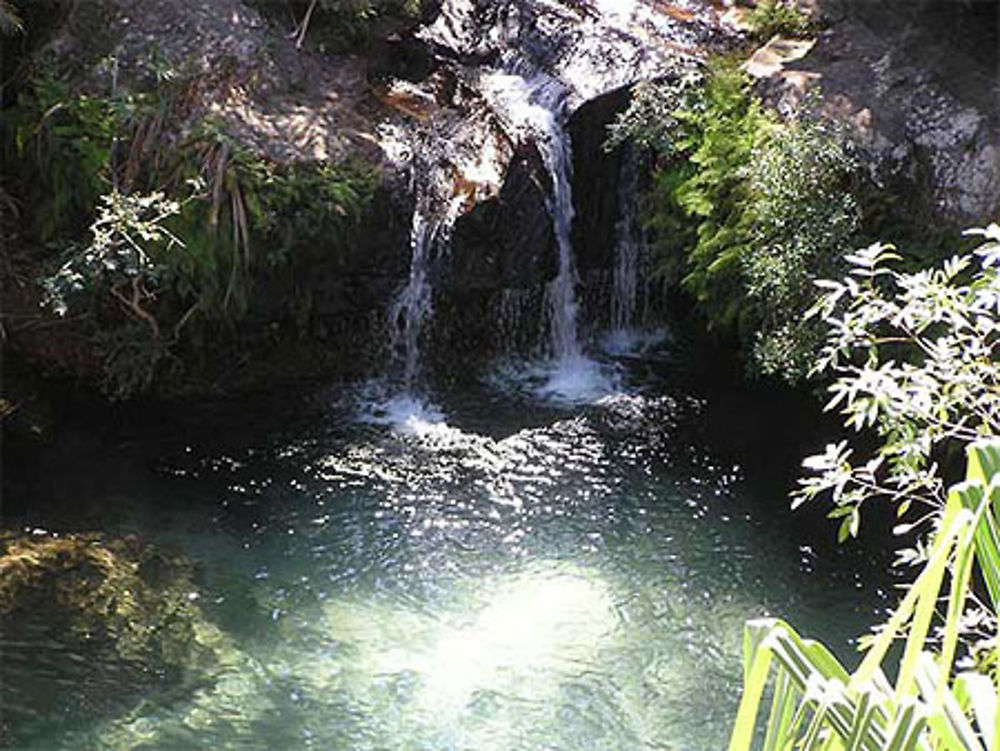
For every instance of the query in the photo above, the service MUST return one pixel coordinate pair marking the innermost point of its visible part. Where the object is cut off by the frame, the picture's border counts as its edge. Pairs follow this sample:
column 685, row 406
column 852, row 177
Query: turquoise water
column 489, row 572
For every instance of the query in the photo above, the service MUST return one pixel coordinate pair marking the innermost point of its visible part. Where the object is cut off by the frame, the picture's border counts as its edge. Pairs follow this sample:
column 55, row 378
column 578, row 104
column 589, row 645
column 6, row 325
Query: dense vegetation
column 913, row 357
column 158, row 237
column 770, row 17
column 748, row 209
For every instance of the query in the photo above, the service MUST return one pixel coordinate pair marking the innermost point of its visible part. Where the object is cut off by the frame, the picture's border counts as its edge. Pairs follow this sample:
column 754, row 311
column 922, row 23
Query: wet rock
column 109, row 620
column 584, row 57
column 135, row 597
column 414, row 108
column 505, row 241
column 596, row 175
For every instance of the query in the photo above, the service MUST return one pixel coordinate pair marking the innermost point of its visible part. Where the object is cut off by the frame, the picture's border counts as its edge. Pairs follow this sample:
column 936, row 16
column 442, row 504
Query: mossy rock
column 121, row 590
column 92, row 625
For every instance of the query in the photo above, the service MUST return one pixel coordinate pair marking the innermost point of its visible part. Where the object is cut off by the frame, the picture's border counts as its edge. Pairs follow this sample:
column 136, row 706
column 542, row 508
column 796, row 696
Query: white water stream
column 630, row 333
column 413, row 305
column 625, row 297
column 533, row 108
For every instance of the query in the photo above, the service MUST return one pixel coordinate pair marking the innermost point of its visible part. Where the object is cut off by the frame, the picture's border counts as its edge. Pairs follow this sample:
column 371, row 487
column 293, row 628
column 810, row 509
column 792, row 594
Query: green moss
column 781, row 17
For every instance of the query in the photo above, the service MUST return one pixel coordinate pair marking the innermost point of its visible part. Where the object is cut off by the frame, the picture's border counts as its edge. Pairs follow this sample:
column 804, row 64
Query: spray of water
column 533, row 109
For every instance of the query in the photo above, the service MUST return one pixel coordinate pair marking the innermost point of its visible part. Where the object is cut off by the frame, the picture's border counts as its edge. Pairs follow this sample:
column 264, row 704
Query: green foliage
column 126, row 259
column 914, row 356
column 914, row 359
column 781, row 17
column 59, row 154
column 255, row 217
column 817, row 704
column 160, row 258
column 129, row 241
column 720, row 127
column 303, row 207
column 650, row 120
column 746, row 210
column 804, row 216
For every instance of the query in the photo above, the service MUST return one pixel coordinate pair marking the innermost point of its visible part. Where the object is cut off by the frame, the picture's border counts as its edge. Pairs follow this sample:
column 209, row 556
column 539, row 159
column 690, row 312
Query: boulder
column 917, row 84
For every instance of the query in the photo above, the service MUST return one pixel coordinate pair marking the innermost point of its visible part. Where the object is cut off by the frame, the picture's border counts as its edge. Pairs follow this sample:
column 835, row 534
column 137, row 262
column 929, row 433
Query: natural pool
column 515, row 576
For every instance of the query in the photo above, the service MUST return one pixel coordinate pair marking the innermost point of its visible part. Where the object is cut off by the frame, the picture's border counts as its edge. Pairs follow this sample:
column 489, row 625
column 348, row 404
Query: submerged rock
column 132, row 596
column 110, row 620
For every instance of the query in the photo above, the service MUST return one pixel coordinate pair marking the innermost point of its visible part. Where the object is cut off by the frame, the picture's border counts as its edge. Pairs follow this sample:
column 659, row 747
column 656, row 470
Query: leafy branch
column 914, row 355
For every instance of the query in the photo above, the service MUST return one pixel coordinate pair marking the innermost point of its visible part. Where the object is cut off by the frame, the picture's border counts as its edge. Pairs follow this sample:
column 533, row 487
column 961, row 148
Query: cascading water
column 413, row 305
column 629, row 333
column 547, row 58
column 532, row 109
column 626, row 272
column 556, row 154
column 410, row 310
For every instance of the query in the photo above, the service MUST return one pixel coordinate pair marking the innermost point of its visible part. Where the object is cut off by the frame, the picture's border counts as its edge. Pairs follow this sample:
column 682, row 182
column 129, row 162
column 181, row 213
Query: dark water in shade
column 518, row 576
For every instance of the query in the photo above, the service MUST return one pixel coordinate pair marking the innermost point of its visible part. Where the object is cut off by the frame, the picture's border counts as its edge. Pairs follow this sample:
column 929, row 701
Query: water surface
column 493, row 573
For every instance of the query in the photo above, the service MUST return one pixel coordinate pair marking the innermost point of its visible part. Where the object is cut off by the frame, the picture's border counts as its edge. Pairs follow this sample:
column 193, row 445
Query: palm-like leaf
column 817, row 705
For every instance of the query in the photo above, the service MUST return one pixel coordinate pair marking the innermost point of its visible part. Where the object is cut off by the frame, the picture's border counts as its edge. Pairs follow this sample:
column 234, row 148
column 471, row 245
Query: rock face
column 577, row 59
column 916, row 80
column 918, row 83
column 417, row 107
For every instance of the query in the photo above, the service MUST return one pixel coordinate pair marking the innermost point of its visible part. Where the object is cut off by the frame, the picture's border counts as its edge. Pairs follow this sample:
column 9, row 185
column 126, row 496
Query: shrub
column 913, row 354
column 914, row 359
column 804, row 216
column 817, row 704
column 746, row 210
column 256, row 217
column 57, row 153
column 162, row 261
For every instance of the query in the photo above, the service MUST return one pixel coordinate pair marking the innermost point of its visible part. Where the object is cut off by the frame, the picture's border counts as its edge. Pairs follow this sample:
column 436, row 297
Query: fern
column 745, row 209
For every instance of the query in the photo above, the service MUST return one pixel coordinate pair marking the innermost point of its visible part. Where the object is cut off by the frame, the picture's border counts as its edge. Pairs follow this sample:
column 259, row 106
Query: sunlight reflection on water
column 576, row 580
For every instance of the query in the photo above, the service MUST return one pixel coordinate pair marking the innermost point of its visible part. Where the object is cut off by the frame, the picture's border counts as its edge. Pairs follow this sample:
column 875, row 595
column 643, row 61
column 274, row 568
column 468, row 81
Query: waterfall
column 532, row 109
column 625, row 290
column 514, row 309
column 629, row 331
column 405, row 409
column 556, row 154
column 412, row 306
